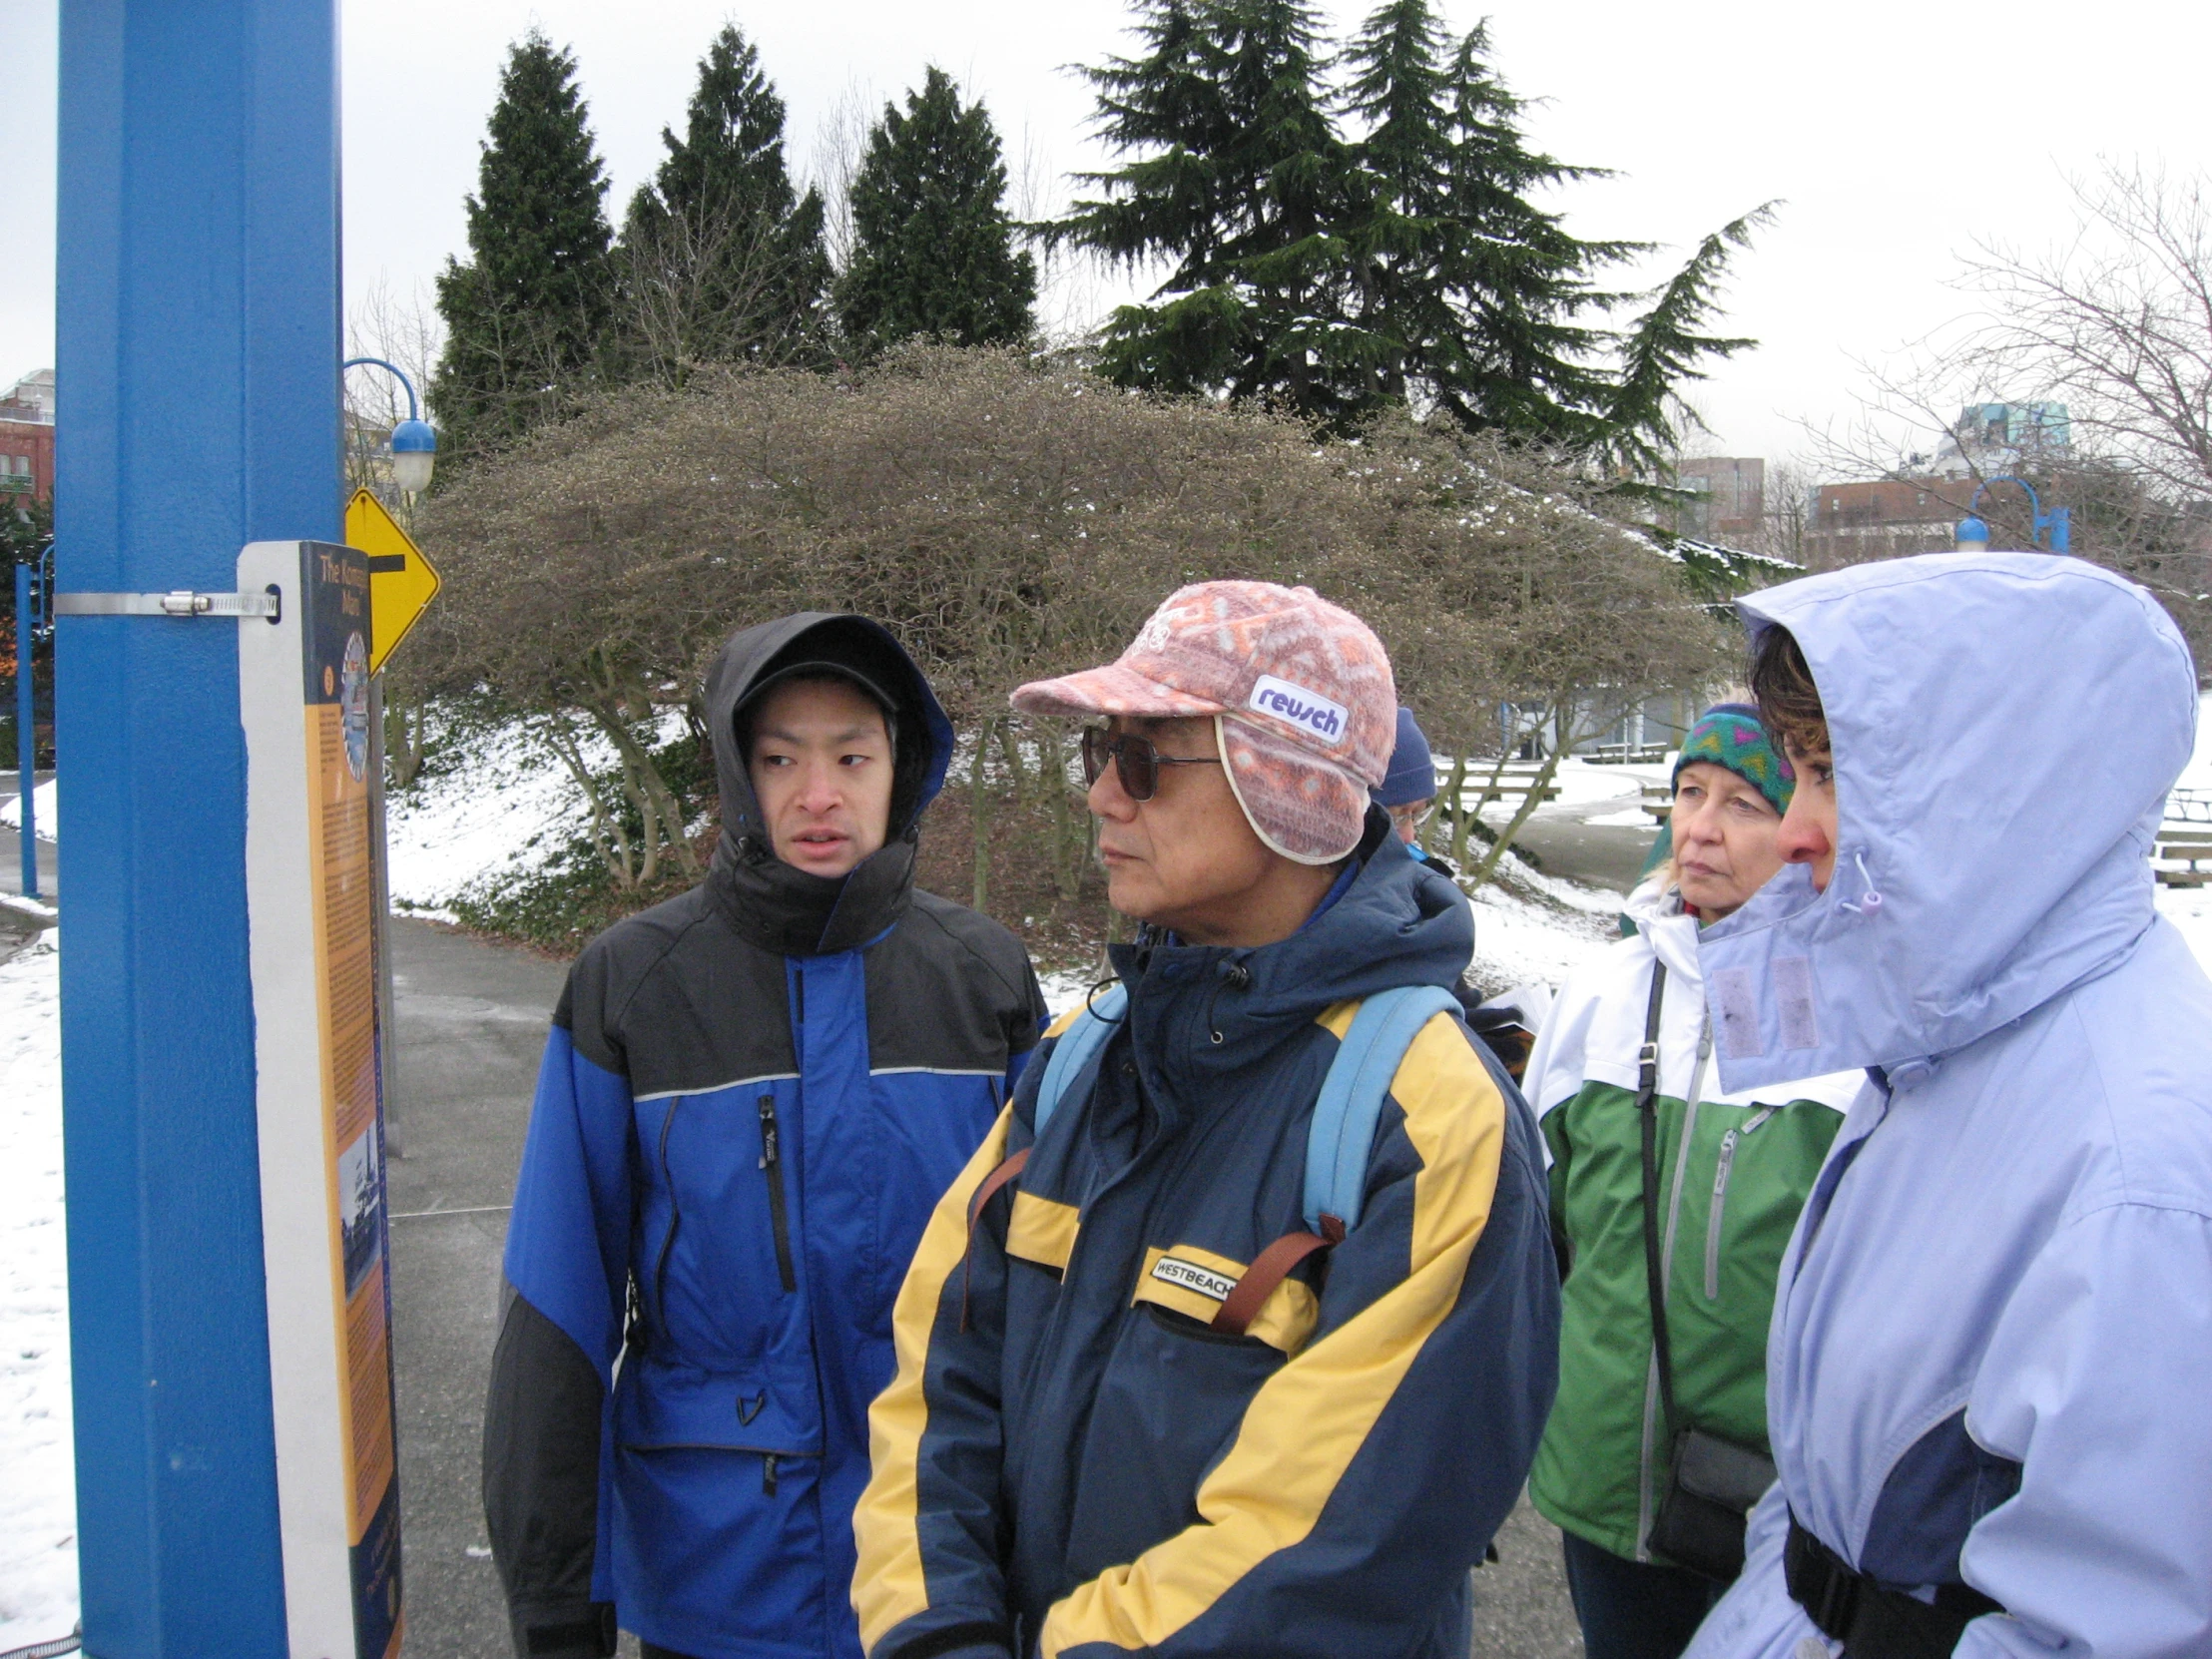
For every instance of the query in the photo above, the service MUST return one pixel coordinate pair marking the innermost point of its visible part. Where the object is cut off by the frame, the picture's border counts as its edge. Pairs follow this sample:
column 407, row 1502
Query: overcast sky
column 1896, row 133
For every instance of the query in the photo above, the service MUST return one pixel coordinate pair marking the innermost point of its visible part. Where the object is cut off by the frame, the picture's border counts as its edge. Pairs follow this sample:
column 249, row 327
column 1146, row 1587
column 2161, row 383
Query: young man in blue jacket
column 1986, row 1372
column 752, row 1096
column 1140, row 1406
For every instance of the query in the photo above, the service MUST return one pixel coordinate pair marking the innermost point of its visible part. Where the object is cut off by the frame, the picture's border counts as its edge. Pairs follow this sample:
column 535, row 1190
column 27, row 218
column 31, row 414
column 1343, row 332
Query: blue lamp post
column 33, row 583
column 1972, row 534
column 415, row 446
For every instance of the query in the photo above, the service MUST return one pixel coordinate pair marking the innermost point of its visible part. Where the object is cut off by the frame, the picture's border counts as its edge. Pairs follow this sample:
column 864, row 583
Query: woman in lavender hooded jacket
column 1987, row 1370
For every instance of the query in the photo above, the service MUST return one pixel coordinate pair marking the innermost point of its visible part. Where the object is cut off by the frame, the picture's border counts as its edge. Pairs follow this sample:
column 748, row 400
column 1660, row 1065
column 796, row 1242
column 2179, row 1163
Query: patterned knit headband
column 1729, row 734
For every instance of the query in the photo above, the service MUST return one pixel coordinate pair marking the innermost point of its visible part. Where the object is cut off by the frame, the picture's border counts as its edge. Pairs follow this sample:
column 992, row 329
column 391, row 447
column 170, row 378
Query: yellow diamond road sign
column 401, row 581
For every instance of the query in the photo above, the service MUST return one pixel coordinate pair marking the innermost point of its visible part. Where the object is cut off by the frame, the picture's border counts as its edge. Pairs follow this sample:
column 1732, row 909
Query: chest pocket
column 1197, row 1284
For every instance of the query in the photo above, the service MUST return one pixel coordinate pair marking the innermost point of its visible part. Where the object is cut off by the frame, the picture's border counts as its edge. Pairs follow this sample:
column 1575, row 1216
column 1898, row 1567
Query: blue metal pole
column 197, row 335
column 26, row 726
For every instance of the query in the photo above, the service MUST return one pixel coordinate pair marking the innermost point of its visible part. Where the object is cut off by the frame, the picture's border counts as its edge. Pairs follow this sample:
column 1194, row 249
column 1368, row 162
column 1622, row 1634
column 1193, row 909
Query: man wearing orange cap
column 1147, row 1399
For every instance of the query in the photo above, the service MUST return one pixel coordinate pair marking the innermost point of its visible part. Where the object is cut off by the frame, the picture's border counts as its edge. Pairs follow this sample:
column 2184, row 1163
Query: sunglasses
column 1137, row 762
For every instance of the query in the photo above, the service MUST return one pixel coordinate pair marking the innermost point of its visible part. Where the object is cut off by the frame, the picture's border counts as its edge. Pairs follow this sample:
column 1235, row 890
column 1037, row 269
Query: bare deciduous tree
column 700, row 287
column 2116, row 322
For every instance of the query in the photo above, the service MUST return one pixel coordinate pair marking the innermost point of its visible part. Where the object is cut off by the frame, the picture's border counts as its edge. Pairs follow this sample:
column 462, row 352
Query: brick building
column 1848, row 524
column 1728, row 501
column 27, row 438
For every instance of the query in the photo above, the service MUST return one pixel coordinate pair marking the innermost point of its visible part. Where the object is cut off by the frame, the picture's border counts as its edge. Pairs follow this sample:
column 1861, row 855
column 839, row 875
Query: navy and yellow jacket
column 751, row 1097
column 1071, row 1463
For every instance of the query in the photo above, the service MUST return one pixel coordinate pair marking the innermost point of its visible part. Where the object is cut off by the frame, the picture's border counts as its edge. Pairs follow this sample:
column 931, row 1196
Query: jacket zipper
column 675, row 1220
column 1651, row 1450
column 772, row 1161
column 1721, row 1173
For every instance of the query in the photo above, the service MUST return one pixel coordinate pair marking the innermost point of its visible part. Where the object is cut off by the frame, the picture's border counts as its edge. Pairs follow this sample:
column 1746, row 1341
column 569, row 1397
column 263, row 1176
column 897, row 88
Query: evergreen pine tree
column 1663, row 348
column 524, row 315
column 932, row 246
column 1237, row 175
column 1410, row 263
column 1478, row 301
column 738, row 252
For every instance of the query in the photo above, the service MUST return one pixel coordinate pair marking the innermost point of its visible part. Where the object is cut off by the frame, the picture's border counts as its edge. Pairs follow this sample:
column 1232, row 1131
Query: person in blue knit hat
column 1408, row 789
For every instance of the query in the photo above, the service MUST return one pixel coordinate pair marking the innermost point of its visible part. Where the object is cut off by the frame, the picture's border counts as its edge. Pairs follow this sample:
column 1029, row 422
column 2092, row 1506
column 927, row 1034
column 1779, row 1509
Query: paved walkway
column 471, row 1021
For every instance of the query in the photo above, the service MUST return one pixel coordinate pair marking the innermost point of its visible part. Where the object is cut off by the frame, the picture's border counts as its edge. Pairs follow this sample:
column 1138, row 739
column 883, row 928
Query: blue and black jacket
column 1077, row 1461
column 751, row 1097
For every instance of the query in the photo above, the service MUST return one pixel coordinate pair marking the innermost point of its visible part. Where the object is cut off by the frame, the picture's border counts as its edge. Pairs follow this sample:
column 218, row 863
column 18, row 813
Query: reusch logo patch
column 1302, row 707
column 1173, row 1270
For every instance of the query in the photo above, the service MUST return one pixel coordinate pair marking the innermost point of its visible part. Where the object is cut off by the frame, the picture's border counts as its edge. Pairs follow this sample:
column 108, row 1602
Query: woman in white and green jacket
column 1732, row 1172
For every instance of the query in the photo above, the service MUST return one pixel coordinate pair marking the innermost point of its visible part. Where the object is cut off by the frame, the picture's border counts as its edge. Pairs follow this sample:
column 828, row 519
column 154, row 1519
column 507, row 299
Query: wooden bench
column 1516, row 783
column 2189, row 848
column 1658, row 801
column 2189, row 810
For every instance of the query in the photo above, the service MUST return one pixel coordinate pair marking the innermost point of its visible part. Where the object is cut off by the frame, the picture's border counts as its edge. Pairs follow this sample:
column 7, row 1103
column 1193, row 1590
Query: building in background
column 1727, row 499
column 1991, row 439
column 1848, row 524
column 27, row 438
column 1886, row 518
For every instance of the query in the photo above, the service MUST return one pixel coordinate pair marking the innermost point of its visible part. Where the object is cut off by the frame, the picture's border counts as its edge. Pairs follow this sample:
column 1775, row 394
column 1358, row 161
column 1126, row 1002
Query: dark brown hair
column 1789, row 702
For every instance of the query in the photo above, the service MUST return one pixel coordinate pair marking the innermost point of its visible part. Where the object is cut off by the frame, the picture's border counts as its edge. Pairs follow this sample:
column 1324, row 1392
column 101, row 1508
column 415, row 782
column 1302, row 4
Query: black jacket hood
column 772, row 903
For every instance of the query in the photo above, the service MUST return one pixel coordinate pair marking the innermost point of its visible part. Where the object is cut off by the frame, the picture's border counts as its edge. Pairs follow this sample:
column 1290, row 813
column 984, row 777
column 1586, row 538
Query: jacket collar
column 1201, row 1014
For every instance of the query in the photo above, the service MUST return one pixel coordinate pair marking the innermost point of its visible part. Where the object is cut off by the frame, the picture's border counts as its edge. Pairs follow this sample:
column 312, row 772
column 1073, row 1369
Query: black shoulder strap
column 1647, row 1090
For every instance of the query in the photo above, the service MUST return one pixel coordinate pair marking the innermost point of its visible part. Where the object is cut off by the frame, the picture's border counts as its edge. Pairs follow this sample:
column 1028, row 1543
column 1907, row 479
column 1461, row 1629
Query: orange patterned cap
column 1301, row 690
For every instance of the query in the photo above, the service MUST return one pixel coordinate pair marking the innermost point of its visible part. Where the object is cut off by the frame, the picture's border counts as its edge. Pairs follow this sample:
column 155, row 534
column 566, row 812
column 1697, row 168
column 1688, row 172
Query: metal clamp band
column 183, row 602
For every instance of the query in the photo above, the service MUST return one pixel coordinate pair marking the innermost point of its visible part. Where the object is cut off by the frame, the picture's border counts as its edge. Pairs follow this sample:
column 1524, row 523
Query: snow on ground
column 1063, row 991
column 43, row 808
column 38, row 1511
column 1518, row 942
column 498, row 808
column 2197, row 775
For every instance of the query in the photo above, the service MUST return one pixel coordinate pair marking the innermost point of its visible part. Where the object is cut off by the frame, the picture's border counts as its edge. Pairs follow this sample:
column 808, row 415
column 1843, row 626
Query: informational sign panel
column 304, row 700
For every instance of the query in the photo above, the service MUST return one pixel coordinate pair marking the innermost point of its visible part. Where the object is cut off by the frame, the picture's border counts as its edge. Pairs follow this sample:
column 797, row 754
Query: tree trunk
column 1455, row 795
column 403, row 755
column 979, row 819
column 1066, row 873
column 1010, row 745
column 607, row 832
column 1529, row 803
column 656, row 802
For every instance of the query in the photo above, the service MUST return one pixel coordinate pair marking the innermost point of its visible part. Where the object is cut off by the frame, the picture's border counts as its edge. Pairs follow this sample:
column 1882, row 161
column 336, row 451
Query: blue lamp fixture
column 1972, row 534
column 415, row 446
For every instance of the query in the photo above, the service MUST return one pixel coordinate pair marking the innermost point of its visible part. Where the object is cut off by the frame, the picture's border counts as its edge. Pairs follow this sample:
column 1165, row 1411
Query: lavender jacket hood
column 1995, row 1320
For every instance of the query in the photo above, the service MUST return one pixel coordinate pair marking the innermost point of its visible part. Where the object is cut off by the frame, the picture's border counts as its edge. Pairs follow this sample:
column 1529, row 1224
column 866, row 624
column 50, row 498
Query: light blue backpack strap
column 1073, row 1048
column 1343, row 1130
